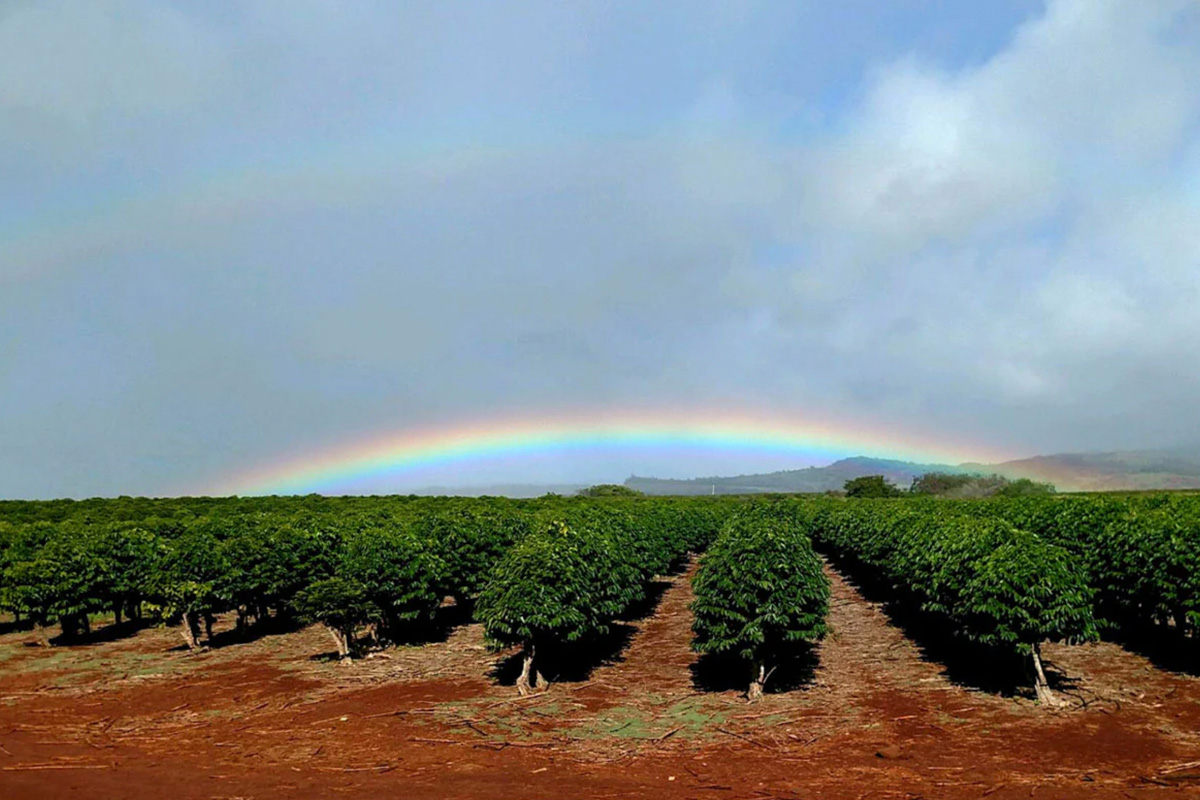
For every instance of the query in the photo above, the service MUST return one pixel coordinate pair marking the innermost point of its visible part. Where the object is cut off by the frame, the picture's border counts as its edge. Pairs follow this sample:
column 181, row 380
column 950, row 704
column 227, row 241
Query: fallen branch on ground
column 1178, row 767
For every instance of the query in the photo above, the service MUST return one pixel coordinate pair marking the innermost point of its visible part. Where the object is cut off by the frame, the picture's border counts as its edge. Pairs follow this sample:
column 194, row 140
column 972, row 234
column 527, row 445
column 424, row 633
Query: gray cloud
column 235, row 233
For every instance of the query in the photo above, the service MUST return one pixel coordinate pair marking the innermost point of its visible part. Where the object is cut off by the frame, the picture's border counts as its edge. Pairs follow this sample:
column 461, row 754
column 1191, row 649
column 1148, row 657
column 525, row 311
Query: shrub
column 400, row 571
column 760, row 589
column 556, row 586
column 342, row 606
column 871, row 486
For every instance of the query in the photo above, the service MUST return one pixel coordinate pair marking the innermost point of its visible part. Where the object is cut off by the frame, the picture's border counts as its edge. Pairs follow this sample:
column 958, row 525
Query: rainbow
column 323, row 173
column 409, row 451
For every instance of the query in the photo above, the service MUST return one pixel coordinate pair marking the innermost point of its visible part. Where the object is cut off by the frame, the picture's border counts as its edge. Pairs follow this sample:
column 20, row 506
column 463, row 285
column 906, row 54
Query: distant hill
column 516, row 490
column 1134, row 469
column 1143, row 469
column 810, row 479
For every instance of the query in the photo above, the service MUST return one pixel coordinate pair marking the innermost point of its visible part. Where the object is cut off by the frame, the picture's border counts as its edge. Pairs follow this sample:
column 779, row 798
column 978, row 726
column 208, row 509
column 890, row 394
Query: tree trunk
column 758, row 678
column 135, row 610
column 523, row 685
column 391, row 628
column 1040, row 685
column 85, row 624
column 1181, row 622
column 117, row 613
column 342, row 638
column 191, row 630
column 208, row 623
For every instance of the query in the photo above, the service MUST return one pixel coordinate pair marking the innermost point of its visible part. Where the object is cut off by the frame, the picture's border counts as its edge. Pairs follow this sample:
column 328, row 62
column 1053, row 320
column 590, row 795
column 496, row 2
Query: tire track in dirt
column 659, row 656
column 864, row 652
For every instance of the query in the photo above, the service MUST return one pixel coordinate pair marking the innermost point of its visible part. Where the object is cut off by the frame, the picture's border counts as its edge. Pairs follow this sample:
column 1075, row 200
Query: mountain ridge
column 1172, row 468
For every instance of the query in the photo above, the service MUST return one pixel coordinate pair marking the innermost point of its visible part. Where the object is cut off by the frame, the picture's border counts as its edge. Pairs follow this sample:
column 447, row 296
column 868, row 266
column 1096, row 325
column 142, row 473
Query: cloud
column 1035, row 213
column 275, row 232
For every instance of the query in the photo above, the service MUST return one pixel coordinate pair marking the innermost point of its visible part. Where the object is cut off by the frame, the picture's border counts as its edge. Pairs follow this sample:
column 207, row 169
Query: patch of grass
column 690, row 718
column 772, row 719
column 147, row 672
column 46, row 660
column 654, row 717
column 500, row 724
column 622, row 723
column 81, row 665
column 66, row 679
column 949, row 719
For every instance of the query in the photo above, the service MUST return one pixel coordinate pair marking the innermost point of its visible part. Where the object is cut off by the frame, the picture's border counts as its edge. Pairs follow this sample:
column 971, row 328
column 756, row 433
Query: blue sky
column 234, row 230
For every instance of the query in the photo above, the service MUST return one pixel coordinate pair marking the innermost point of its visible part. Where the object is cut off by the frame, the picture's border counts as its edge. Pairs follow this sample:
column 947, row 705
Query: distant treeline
column 949, row 485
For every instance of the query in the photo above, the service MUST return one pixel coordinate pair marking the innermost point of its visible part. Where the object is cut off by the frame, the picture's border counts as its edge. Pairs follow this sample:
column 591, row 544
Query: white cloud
column 1088, row 311
column 1037, row 214
column 1094, row 91
column 927, row 158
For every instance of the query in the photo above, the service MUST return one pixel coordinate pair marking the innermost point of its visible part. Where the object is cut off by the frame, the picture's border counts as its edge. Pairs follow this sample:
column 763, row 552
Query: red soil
column 136, row 718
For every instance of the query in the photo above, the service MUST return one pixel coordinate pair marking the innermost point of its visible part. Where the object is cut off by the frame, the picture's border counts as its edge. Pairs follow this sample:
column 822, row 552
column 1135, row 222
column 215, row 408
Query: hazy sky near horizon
column 232, row 230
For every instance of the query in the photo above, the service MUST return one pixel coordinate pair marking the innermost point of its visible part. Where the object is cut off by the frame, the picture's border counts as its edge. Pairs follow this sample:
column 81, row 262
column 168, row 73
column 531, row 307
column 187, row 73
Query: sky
column 238, row 232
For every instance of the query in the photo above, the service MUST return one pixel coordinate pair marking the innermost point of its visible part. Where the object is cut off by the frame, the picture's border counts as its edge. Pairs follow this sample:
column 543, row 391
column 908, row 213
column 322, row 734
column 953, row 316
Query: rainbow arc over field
column 406, row 452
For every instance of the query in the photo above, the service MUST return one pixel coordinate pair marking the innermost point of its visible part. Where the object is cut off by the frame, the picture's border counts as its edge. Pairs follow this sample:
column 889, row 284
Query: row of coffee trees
column 977, row 579
column 1140, row 554
column 383, row 565
column 582, row 569
column 549, row 575
column 255, row 559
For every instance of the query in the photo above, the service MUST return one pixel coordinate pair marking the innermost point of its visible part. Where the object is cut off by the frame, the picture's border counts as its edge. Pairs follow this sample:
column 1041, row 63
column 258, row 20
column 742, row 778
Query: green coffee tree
column 557, row 585
column 760, row 589
column 1023, row 592
column 187, row 585
column 401, row 572
column 470, row 539
column 980, row 577
column 342, row 606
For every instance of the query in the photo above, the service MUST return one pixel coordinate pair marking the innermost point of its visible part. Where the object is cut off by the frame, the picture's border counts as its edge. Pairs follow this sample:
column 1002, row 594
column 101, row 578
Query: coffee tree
column 400, row 571
column 558, row 585
column 760, row 591
column 342, row 606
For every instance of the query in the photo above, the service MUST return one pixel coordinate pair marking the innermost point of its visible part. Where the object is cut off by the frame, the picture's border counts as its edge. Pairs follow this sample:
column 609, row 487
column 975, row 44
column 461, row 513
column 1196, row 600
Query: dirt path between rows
column 869, row 717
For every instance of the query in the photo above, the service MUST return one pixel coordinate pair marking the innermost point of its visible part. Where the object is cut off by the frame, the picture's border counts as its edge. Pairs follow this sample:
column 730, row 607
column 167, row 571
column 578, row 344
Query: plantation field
column 593, row 647
column 878, row 716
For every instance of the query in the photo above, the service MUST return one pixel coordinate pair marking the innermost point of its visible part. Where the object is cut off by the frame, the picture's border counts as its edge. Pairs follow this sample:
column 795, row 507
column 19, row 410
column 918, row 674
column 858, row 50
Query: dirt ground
column 874, row 715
